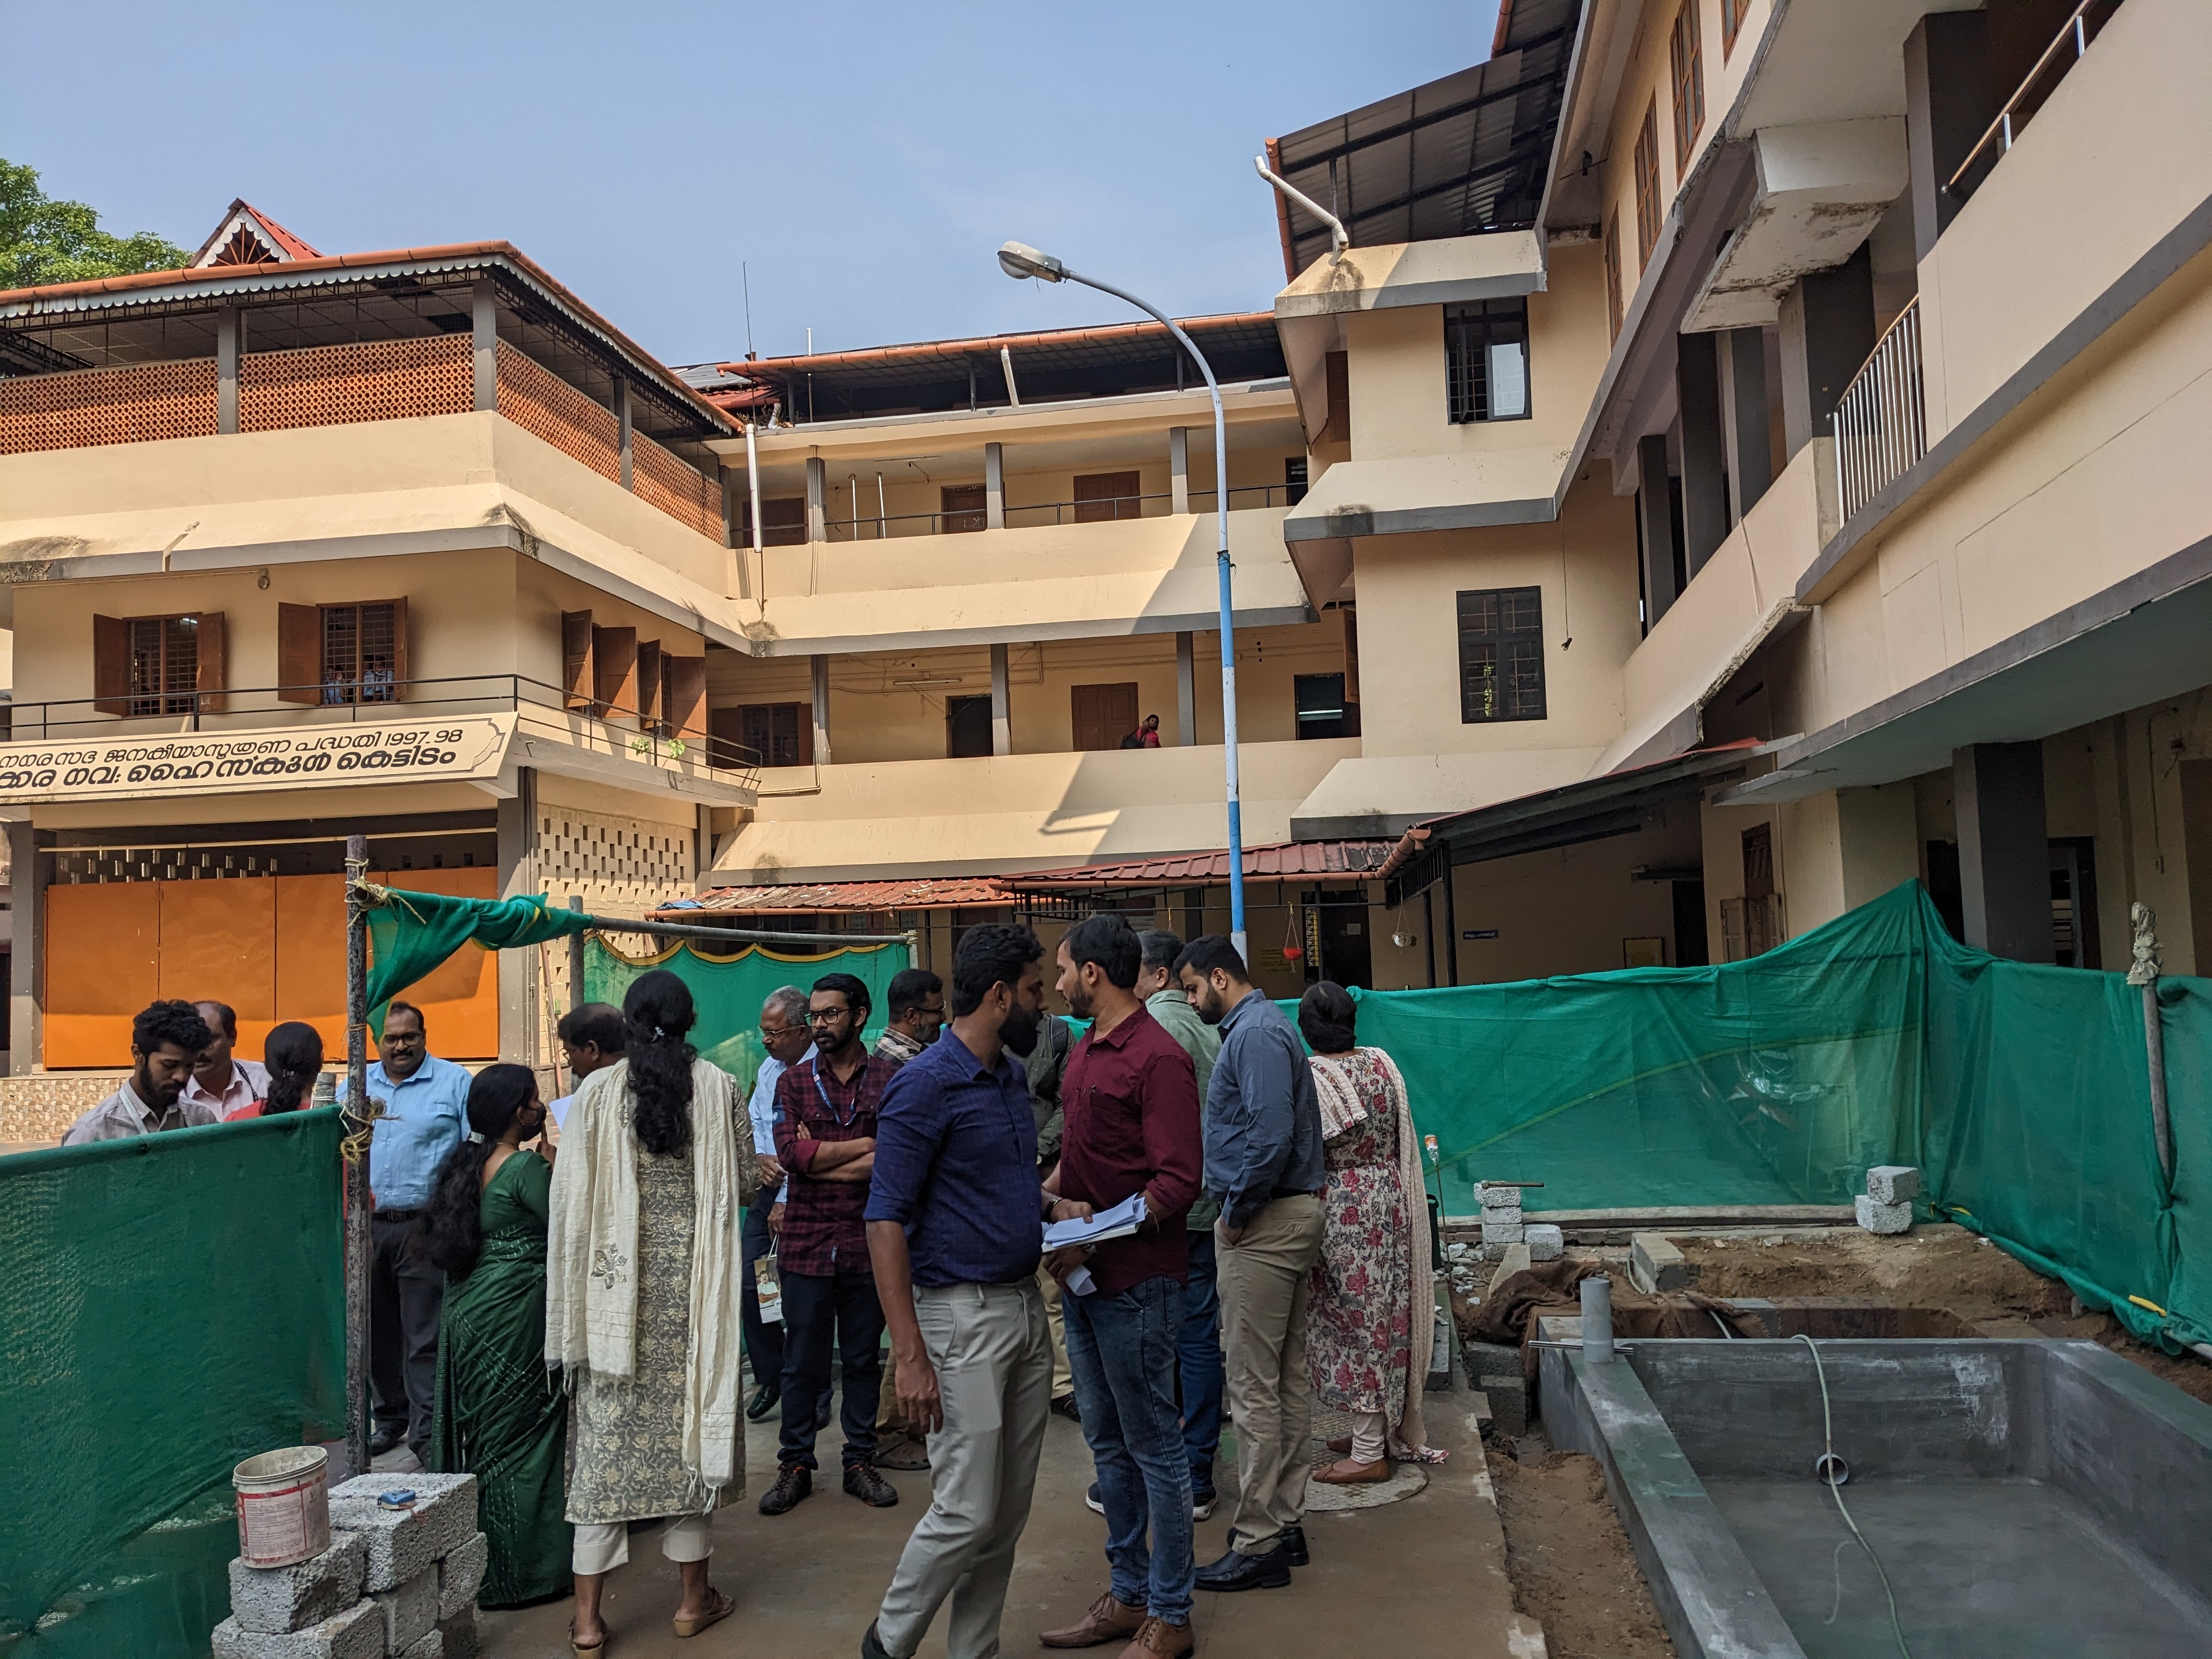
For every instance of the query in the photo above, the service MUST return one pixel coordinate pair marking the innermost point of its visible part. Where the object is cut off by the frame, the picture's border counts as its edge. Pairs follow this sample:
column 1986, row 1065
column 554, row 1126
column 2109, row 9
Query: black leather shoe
column 871, row 1646
column 1292, row 1540
column 764, row 1400
column 385, row 1440
column 1242, row 1572
column 862, row 1481
column 794, row 1482
column 1066, row 1406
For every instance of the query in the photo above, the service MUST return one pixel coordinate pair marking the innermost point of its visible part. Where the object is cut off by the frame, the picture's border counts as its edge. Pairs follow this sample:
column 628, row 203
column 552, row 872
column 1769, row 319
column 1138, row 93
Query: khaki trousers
column 1263, row 1279
column 1063, row 1375
column 994, row 1362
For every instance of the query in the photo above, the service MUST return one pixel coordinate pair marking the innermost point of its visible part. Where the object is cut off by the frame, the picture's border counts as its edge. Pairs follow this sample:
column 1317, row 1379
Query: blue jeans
column 1123, row 1351
column 1198, row 1350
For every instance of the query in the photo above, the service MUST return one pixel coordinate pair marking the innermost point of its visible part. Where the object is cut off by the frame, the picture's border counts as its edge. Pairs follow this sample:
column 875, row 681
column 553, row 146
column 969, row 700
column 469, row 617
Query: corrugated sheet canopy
column 1457, row 156
column 1349, row 861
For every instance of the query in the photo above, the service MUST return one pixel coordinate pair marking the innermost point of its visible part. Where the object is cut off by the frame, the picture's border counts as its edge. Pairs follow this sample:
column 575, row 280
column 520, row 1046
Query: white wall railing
column 1881, row 419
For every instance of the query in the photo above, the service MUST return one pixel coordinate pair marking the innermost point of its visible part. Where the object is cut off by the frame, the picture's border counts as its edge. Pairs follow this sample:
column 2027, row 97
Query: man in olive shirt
column 1198, row 1347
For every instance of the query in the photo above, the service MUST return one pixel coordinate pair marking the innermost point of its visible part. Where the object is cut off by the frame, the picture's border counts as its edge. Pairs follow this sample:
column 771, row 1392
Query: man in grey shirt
column 1263, row 1166
column 166, row 1040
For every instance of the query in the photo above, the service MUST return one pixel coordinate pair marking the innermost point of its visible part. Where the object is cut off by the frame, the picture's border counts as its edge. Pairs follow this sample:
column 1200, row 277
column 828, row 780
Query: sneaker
column 1093, row 1502
column 1202, row 1501
column 794, row 1482
column 862, row 1481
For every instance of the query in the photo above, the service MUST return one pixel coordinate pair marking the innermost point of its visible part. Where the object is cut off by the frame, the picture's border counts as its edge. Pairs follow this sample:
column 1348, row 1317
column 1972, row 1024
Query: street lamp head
column 1018, row 259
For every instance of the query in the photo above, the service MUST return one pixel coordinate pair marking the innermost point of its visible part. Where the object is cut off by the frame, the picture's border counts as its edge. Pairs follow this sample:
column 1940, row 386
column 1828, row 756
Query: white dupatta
column 591, row 1276
column 1341, row 1110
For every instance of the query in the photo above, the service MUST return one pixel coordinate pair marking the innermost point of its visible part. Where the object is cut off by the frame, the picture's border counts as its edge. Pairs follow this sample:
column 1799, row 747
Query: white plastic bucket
column 283, row 1506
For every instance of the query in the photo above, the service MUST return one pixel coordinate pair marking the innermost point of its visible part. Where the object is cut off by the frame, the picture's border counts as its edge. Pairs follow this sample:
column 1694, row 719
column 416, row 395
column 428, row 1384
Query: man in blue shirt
column 953, row 1214
column 1263, row 1166
column 426, row 1112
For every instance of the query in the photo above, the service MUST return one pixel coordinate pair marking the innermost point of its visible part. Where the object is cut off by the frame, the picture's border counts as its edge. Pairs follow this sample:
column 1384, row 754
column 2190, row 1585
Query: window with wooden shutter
column 1647, row 186
column 363, row 656
column 686, row 707
column 576, row 681
column 1613, row 272
column 614, row 662
column 299, row 654
column 213, row 675
column 1686, row 54
column 763, row 734
column 1101, row 496
column 648, row 685
column 966, row 508
column 1336, row 382
column 1732, row 16
column 111, row 665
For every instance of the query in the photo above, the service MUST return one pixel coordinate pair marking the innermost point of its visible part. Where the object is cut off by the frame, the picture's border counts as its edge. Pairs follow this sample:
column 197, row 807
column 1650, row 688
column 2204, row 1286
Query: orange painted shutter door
column 103, row 957
column 216, row 946
column 311, row 951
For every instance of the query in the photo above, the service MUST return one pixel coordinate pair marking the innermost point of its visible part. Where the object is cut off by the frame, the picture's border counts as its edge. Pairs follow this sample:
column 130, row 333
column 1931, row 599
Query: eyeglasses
column 772, row 1032
column 823, row 1016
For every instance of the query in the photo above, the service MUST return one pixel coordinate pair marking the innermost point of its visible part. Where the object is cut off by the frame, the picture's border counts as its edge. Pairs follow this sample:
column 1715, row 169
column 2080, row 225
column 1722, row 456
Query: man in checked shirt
column 825, row 1138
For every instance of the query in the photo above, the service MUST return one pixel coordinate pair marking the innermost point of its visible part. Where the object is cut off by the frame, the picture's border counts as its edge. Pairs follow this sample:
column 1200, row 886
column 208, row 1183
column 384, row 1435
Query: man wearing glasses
column 783, row 1033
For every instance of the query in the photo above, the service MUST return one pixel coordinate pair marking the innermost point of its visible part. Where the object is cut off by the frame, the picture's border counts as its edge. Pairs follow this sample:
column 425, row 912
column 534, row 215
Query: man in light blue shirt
column 784, row 1034
column 426, row 1103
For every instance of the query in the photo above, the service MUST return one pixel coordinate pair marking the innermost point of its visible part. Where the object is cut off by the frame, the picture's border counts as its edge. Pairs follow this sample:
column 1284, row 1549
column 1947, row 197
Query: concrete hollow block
column 1495, row 1197
column 1655, row 1265
column 356, row 1634
column 1502, row 1232
column 1893, row 1183
column 431, row 1645
column 275, row 1601
column 460, row 1576
column 1545, row 1243
column 442, row 1517
column 410, row 1610
column 1883, row 1218
column 459, row 1633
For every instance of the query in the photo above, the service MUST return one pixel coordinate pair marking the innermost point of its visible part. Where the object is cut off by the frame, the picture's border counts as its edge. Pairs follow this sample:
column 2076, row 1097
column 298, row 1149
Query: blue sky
column 863, row 160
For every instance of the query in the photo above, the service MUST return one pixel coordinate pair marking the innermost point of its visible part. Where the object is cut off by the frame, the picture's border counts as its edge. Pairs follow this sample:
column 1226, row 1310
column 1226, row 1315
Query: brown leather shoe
column 1346, row 1472
column 1341, row 1445
column 1158, row 1639
column 1108, row 1620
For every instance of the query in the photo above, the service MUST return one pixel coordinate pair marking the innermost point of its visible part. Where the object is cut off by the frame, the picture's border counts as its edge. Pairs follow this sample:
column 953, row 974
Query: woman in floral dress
column 1370, row 1304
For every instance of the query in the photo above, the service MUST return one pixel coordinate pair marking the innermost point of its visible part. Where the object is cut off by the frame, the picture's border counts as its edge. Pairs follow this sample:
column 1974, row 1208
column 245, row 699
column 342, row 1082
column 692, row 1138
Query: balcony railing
column 1881, row 419
column 887, row 527
column 342, row 386
column 2067, row 48
column 608, row 728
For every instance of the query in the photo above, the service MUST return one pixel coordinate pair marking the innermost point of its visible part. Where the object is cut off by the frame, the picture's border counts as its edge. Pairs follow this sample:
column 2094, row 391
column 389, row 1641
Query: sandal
column 580, row 1649
column 717, row 1610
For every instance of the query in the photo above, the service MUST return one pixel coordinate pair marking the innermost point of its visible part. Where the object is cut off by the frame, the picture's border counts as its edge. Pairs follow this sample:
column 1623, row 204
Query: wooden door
column 965, row 507
column 1103, row 714
column 1103, row 495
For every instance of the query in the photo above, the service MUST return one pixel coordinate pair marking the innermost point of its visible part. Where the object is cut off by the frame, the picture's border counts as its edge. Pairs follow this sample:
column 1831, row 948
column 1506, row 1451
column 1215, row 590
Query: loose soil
column 1573, row 1567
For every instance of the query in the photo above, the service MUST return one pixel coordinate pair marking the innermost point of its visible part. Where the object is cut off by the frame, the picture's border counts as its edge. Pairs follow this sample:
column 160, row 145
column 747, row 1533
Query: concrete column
column 2004, row 848
column 520, row 1004
column 622, row 433
column 1179, row 469
column 1002, row 719
column 1743, row 419
column 1657, row 515
column 1704, row 468
column 817, row 501
column 483, row 320
column 1187, row 688
column 1950, row 99
column 229, row 337
column 995, row 486
column 703, row 858
column 820, row 671
column 26, row 990
column 1827, row 330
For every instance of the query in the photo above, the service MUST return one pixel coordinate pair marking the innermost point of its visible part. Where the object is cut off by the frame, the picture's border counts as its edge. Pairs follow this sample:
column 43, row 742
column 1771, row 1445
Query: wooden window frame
column 1647, row 186
column 113, row 693
column 1686, row 60
column 1732, row 15
column 1487, row 696
column 1612, row 297
column 803, row 730
column 1096, row 508
column 1336, row 399
column 300, row 646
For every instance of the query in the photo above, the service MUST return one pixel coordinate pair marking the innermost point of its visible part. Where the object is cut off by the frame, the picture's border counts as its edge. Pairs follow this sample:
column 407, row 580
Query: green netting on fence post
column 729, row 989
column 171, row 1305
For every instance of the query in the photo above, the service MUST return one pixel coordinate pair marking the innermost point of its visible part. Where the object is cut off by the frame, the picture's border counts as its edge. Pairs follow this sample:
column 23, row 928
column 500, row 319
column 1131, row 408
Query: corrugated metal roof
column 805, row 898
column 1289, row 861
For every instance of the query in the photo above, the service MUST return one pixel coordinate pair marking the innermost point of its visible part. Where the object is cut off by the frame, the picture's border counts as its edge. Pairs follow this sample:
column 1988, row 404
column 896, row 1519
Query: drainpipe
column 1338, row 239
column 2144, row 973
column 760, row 552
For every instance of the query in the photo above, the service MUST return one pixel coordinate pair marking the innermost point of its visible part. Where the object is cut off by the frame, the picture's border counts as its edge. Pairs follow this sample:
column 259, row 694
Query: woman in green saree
column 499, row 1416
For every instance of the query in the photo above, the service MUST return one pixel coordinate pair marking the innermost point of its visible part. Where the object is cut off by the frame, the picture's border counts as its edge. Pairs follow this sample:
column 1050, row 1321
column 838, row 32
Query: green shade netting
column 172, row 1305
column 2022, row 1091
column 728, row 989
column 411, row 933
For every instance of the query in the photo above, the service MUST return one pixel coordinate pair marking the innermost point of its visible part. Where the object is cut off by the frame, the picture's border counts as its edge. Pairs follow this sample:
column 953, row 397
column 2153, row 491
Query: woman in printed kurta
column 1370, row 1298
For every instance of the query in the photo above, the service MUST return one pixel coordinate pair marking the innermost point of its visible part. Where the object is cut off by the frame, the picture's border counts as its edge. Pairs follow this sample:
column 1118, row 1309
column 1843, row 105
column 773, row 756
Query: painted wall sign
column 304, row 756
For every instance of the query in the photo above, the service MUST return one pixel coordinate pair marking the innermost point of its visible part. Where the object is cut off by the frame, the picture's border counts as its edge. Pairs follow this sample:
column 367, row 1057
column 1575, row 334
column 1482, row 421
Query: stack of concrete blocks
column 1501, row 1219
column 1655, row 1265
column 395, row 1583
column 1886, row 1207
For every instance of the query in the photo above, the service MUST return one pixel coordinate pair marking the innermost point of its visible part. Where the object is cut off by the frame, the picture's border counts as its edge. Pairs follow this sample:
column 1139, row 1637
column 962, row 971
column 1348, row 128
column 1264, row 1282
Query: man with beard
column 1130, row 1099
column 166, row 1040
column 1263, row 1166
column 825, row 1140
column 953, row 1215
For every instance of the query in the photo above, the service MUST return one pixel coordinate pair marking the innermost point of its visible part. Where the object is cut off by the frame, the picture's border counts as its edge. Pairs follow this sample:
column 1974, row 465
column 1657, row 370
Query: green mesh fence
column 2022, row 1091
column 171, row 1305
column 730, row 989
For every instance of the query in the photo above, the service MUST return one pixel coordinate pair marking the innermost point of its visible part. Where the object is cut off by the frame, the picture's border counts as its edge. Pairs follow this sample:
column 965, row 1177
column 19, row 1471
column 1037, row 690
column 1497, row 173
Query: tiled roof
column 1289, row 861
column 944, row 893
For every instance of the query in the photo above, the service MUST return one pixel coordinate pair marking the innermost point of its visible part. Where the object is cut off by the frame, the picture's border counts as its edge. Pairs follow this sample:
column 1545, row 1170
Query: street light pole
column 1018, row 260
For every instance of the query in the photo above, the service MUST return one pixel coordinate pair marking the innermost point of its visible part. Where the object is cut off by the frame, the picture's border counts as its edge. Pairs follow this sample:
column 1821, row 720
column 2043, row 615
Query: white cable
column 1835, row 1490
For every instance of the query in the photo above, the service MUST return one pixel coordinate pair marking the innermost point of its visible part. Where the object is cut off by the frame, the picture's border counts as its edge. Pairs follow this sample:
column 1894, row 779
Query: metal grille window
column 1501, row 654
column 165, row 664
column 361, row 654
column 1486, row 361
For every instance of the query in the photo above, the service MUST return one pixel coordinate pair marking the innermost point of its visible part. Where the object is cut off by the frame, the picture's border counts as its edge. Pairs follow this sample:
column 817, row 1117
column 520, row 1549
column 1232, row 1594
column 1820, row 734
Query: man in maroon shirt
column 825, row 1138
column 1130, row 1097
